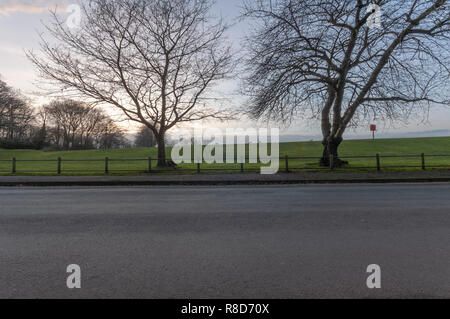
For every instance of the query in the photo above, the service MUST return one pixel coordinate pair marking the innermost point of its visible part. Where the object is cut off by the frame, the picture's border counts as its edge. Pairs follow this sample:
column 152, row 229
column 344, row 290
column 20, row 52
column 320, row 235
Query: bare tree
column 68, row 117
column 77, row 125
column 109, row 135
column 154, row 60
column 16, row 115
column 320, row 58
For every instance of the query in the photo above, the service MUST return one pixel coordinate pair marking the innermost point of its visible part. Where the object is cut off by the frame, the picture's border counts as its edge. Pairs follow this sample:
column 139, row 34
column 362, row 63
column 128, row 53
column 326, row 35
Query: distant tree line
column 73, row 125
column 62, row 124
column 16, row 119
column 145, row 138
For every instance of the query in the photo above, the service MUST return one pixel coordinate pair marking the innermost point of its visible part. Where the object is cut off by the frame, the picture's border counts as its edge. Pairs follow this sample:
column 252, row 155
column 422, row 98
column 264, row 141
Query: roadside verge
column 229, row 179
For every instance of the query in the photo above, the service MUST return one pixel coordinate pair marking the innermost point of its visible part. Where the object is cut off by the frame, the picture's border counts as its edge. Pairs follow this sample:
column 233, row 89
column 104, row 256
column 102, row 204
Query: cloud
column 31, row 6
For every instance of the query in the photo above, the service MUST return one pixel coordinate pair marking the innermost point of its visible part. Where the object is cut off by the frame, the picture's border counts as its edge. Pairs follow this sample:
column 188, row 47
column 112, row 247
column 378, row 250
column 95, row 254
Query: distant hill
column 431, row 133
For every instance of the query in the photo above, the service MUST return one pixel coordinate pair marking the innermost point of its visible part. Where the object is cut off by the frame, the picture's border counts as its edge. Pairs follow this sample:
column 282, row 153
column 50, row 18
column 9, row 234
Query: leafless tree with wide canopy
column 155, row 60
column 16, row 115
column 320, row 58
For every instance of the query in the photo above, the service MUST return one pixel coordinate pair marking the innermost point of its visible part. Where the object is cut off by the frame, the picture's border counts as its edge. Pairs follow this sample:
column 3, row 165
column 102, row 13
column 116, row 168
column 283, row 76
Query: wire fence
column 286, row 163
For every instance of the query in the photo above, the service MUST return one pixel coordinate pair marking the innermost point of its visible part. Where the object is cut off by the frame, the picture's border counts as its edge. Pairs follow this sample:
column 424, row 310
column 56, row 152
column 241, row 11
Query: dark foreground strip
column 191, row 309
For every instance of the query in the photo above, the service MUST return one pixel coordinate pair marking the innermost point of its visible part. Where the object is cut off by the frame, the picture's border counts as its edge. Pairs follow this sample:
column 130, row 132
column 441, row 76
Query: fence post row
column 106, row 165
column 13, row 170
column 59, row 165
column 242, row 165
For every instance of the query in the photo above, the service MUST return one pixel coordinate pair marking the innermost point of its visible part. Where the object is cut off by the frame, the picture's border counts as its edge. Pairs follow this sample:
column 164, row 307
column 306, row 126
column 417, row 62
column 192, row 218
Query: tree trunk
column 162, row 162
column 330, row 150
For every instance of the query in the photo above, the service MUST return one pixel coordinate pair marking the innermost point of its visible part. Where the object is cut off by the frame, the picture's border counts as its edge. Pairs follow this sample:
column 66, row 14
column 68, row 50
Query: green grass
column 96, row 165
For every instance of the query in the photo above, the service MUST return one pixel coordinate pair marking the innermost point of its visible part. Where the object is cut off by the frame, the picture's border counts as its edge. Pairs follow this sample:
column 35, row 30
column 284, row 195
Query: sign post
column 373, row 129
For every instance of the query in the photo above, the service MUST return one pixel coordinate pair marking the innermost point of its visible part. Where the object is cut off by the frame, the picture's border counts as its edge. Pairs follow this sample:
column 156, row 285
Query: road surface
column 226, row 242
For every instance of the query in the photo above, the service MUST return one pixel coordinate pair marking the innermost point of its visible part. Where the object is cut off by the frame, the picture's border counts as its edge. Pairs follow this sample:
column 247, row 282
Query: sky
column 21, row 22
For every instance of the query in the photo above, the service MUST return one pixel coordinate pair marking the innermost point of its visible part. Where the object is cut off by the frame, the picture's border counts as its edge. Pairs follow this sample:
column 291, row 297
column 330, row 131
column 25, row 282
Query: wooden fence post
column 378, row 162
column 59, row 166
column 423, row 161
column 13, row 170
column 331, row 161
column 242, row 167
column 106, row 165
column 287, row 164
column 149, row 164
column 198, row 168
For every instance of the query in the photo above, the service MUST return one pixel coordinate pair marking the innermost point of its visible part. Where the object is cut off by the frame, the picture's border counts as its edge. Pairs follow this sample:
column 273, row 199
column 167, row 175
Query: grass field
column 407, row 150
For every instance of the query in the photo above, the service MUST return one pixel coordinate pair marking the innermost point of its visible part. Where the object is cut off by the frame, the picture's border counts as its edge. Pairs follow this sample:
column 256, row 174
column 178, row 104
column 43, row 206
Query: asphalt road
column 226, row 242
